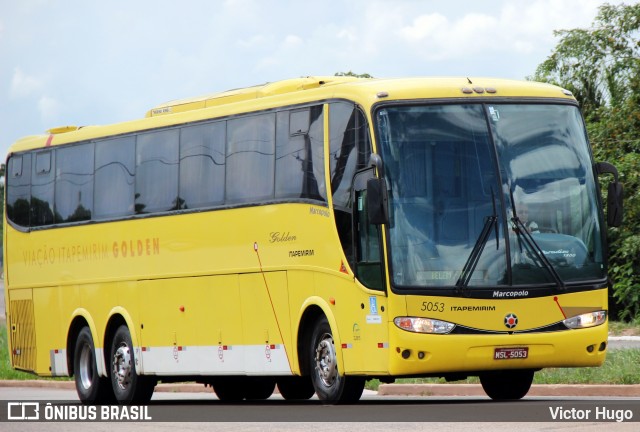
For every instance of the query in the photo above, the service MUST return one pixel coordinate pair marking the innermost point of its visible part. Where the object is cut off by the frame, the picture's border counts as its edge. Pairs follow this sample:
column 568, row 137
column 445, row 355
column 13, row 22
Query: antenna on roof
column 469, row 80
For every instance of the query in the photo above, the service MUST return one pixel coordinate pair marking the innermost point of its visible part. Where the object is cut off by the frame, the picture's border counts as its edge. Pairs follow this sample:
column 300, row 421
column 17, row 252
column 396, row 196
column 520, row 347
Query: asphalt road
column 202, row 411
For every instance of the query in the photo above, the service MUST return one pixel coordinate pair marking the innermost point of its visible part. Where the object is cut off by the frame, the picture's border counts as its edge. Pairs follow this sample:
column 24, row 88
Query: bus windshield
column 488, row 195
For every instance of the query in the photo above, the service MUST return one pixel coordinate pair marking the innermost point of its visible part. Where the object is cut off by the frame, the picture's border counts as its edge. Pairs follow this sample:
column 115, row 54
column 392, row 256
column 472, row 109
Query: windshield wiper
column 478, row 247
column 523, row 233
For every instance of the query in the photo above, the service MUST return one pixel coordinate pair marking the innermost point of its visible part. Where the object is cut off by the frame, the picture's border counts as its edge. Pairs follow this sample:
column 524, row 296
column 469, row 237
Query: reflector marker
column 343, row 268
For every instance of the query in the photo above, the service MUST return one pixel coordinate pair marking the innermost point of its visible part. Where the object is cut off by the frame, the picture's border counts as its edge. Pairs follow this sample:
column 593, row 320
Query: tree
column 601, row 66
column 353, row 74
column 597, row 64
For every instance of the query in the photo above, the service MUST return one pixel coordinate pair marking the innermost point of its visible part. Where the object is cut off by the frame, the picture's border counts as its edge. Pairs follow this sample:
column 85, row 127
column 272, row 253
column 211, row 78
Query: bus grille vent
column 23, row 335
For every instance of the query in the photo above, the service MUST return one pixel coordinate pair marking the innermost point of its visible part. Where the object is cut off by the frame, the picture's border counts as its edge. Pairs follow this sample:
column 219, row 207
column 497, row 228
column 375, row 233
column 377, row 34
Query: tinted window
column 349, row 149
column 74, row 183
column 42, row 190
column 19, row 189
column 300, row 154
column 202, row 165
column 114, row 178
column 250, row 158
column 157, row 171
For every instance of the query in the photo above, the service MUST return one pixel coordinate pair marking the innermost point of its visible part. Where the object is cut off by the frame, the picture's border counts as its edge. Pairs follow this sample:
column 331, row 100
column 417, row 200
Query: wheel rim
column 122, row 366
column 86, row 367
column 326, row 365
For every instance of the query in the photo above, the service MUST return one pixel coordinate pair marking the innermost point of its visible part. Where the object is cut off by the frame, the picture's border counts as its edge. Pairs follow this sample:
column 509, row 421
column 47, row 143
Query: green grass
column 618, row 328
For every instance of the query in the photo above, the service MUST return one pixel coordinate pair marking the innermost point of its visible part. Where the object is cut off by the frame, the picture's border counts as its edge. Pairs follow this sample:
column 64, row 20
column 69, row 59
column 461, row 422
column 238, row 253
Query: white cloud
column 347, row 34
column 49, row 109
column 132, row 56
column 253, row 41
column 425, row 27
column 23, row 85
column 292, row 41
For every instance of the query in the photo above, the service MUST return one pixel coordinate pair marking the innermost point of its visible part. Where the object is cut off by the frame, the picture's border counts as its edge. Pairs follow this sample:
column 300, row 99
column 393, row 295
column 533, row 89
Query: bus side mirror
column 615, row 193
column 377, row 201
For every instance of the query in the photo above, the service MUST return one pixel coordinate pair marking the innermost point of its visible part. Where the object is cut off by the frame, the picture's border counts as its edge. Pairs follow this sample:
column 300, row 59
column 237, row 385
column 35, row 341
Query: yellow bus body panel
column 223, row 291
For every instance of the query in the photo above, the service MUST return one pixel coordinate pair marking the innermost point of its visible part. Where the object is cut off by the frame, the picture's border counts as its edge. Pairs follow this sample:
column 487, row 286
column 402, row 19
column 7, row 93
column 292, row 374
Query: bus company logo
column 507, row 294
column 282, row 237
column 510, row 320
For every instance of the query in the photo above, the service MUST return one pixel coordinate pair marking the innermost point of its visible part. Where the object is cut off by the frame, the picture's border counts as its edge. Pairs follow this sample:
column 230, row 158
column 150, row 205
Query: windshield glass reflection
column 453, row 195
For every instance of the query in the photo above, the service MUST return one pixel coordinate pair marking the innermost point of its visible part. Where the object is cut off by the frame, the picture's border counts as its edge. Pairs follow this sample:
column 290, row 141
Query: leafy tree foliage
column 601, row 66
column 353, row 74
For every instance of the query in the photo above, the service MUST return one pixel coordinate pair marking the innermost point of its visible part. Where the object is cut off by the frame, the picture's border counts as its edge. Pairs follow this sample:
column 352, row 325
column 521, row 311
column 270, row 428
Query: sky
column 83, row 62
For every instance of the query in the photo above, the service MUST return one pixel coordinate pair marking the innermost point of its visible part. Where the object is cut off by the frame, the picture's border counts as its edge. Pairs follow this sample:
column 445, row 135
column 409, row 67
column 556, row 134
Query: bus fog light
column 587, row 320
column 603, row 346
column 424, row 325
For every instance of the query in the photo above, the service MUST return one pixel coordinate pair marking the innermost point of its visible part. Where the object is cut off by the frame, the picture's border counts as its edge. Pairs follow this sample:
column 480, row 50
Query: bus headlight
column 424, row 325
column 590, row 319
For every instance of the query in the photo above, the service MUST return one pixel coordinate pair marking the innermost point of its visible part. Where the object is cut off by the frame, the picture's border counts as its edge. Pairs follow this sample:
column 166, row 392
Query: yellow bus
column 312, row 233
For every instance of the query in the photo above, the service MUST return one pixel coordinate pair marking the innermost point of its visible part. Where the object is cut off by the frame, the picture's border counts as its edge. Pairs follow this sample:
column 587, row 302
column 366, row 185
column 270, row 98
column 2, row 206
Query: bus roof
column 366, row 91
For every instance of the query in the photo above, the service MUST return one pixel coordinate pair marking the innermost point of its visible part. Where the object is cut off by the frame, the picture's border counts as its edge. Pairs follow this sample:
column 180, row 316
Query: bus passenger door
column 368, row 255
column 369, row 271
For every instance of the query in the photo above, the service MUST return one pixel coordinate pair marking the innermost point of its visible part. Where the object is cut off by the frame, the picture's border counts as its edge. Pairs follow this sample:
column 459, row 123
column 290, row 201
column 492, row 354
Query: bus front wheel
column 129, row 387
column 329, row 384
column 91, row 387
column 507, row 384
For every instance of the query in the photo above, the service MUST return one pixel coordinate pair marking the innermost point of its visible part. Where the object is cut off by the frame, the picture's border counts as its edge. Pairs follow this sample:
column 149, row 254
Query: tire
column 507, row 384
column 229, row 389
column 296, row 387
column 129, row 388
column 330, row 386
column 259, row 388
column 92, row 389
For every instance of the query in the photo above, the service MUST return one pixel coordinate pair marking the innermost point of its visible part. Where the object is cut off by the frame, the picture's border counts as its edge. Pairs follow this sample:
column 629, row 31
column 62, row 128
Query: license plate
column 511, row 353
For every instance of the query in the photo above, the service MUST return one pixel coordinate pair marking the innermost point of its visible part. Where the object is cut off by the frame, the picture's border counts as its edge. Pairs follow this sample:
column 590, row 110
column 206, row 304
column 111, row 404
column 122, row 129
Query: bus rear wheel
column 229, row 389
column 507, row 384
column 235, row 389
column 259, row 388
column 329, row 384
column 91, row 387
column 296, row 387
column 129, row 388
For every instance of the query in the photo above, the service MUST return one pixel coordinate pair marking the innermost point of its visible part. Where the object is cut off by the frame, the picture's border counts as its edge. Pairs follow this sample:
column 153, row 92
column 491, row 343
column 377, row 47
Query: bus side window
column 300, row 154
column 74, row 183
column 157, row 155
column 42, row 189
column 19, row 189
column 350, row 148
column 202, row 164
column 115, row 168
column 250, row 158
